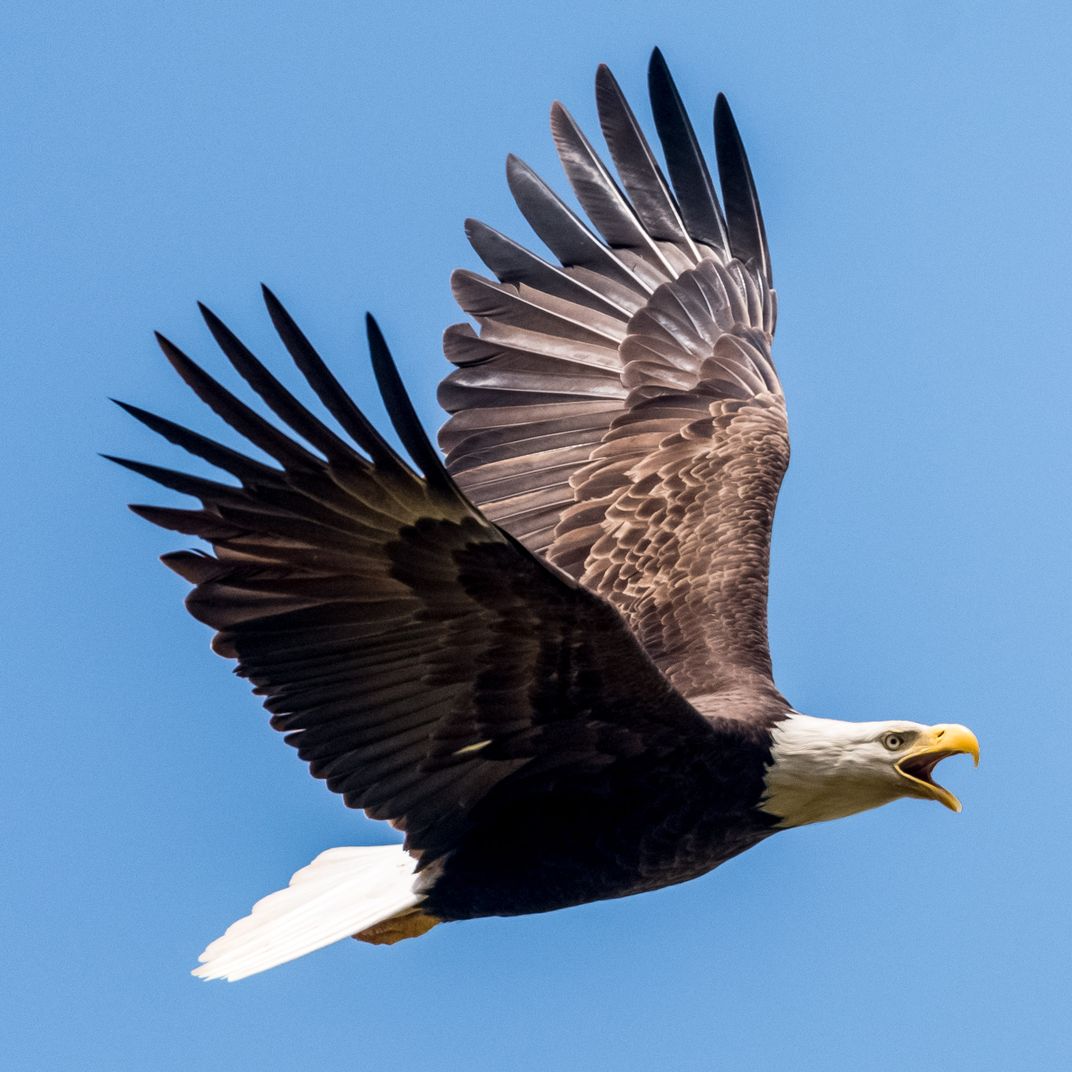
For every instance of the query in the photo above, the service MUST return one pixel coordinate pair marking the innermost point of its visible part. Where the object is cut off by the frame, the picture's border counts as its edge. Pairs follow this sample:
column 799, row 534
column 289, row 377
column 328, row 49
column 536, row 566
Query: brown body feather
column 562, row 692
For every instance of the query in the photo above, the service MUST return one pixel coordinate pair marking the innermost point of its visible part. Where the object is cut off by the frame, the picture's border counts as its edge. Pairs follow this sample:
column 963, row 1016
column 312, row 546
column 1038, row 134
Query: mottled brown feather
column 662, row 499
column 416, row 655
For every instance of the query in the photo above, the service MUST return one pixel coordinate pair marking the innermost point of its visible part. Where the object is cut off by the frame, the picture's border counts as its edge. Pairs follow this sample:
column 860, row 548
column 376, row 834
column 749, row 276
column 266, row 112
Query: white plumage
column 343, row 891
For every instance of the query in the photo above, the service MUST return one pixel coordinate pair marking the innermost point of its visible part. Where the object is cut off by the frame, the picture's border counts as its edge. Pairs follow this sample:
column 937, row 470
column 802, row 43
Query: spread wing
column 415, row 655
column 619, row 412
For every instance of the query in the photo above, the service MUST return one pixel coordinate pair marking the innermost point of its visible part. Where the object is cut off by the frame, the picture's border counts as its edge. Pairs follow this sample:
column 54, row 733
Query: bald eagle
column 545, row 660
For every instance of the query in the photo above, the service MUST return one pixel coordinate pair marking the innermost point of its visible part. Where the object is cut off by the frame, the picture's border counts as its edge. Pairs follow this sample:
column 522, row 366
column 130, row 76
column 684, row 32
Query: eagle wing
column 416, row 655
column 619, row 412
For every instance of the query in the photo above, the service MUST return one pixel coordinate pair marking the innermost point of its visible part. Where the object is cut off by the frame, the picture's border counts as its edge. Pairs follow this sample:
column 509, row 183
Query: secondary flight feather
column 545, row 659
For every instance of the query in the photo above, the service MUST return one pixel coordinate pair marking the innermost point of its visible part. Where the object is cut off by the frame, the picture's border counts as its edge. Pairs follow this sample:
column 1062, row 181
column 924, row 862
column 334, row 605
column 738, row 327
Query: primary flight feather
column 544, row 660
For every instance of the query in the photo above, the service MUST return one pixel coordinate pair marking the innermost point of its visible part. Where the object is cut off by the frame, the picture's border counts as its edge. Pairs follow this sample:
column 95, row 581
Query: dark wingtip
column 519, row 178
column 605, row 81
column 193, row 566
column 375, row 335
column 212, row 321
column 685, row 161
column 143, row 469
column 748, row 236
column 276, row 310
column 383, row 363
column 175, row 356
column 658, row 72
column 275, row 306
column 150, row 420
column 400, row 410
column 659, row 76
column 125, row 462
column 327, row 387
column 128, row 407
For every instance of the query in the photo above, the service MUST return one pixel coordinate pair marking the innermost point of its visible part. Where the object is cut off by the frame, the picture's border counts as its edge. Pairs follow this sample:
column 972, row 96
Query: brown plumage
column 545, row 662
column 424, row 663
column 620, row 413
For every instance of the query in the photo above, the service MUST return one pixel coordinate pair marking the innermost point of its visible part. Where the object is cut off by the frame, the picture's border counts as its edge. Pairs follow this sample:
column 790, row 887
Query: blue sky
column 913, row 160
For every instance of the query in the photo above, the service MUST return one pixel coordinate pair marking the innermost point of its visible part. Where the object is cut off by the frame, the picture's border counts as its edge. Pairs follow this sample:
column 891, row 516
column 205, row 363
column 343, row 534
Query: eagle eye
column 894, row 741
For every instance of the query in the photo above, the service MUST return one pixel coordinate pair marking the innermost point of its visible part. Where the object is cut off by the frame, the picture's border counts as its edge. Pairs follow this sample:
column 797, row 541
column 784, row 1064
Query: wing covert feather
column 657, row 494
column 414, row 654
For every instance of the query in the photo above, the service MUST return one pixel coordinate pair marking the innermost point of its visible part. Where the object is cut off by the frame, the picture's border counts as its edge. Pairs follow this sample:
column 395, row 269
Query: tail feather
column 342, row 892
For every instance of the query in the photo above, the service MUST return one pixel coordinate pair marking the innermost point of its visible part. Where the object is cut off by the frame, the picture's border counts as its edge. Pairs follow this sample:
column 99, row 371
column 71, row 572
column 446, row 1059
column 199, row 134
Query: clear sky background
column 914, row 163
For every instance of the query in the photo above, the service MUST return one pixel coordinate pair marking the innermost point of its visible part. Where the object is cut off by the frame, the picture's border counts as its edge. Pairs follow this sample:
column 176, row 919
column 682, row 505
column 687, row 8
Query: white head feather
column 822, row 768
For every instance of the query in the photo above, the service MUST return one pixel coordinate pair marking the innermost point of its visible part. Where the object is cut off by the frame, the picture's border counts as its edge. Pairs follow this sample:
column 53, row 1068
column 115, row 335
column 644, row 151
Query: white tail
column 343, row 891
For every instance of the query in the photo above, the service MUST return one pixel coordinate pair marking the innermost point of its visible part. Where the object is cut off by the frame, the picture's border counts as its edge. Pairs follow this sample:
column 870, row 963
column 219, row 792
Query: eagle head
column 821, row 768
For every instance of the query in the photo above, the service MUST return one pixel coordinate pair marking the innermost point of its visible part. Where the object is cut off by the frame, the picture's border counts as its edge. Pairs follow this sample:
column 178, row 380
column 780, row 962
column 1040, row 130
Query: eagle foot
column 411, row 924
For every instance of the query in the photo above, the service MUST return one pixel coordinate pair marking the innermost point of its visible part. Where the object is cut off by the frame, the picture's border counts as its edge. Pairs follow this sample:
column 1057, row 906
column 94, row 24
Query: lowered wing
column 416, row 655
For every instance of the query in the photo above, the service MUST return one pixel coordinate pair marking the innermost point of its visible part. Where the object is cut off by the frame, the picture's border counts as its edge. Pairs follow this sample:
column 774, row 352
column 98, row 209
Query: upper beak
column 934, row 745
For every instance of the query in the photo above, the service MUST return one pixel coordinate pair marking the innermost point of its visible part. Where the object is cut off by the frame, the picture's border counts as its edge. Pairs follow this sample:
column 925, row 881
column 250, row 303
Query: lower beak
column 934, row 745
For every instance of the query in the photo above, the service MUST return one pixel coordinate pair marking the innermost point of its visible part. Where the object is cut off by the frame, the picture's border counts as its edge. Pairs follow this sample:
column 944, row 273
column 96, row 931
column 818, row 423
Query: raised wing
column 416, row 656
column 619, row 412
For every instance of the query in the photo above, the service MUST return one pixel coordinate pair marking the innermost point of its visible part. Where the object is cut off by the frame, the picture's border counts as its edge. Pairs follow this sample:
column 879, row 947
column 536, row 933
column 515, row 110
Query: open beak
column 934, row 745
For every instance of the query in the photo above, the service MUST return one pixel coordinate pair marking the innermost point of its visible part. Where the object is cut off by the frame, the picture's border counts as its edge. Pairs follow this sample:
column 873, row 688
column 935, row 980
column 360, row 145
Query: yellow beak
column 936, row 744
